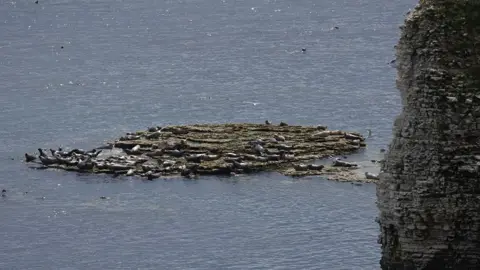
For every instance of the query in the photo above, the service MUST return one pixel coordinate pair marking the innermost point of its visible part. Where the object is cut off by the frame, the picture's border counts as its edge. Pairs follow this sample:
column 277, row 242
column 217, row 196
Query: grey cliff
column 429, row 189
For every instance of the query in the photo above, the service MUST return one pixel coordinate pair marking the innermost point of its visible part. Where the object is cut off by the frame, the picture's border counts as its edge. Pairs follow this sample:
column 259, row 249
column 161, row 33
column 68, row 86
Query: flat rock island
column 217, row 149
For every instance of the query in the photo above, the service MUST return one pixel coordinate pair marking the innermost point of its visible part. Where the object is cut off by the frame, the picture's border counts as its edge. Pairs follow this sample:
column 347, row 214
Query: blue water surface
column 78, row 73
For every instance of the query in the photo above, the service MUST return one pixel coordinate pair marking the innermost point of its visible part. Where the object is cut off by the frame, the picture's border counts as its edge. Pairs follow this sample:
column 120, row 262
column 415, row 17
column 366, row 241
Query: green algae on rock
column 219, row 149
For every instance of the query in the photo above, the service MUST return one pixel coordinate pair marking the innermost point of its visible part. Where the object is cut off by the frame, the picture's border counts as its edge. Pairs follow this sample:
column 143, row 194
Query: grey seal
column 29, row 158
column 372, row 176
column 340, row 163
column 279, row 138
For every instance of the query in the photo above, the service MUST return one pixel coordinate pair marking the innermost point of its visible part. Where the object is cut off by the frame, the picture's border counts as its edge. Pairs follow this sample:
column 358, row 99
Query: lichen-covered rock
column 429, row 192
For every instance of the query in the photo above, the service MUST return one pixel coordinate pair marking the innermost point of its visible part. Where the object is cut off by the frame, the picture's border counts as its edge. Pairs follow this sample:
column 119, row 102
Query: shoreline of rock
column 217, row 149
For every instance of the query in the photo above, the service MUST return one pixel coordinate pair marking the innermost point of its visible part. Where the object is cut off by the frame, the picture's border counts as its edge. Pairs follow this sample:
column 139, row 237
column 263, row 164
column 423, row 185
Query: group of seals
column 282, row 124
column 75, row 157
column 207, row 149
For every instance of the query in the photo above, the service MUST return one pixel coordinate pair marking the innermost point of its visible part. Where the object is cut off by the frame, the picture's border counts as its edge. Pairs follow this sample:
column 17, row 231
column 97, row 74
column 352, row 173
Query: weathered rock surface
column 429, row 192
column 216, row 149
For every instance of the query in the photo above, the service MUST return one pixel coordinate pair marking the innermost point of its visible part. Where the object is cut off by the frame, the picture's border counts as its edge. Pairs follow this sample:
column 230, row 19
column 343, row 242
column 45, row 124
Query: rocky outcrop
column 216, row 149
column 429, row 190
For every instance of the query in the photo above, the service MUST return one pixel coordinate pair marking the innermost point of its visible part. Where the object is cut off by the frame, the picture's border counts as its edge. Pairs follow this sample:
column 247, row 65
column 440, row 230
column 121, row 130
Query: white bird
column 253, row 103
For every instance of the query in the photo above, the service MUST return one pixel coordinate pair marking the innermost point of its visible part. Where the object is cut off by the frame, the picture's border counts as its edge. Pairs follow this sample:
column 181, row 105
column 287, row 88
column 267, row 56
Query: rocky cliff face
column 429, row 191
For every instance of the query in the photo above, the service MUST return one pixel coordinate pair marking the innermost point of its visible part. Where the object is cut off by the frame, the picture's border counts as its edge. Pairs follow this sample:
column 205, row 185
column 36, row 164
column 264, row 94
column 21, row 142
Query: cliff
column 429, row 191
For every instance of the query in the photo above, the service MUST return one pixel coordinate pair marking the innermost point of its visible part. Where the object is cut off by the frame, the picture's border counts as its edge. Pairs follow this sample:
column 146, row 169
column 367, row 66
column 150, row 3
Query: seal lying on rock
column 286, row 156
column 279, row 138
column 129, row 138
column 29, row 158
column 117, row 166
column 371, row 176
column 175, row 152
column 134, row 151
column 41, row 153
column 249, row 157
column 130, row 172
column 350, row 136
column 197, row 158
column 77, row 151
column 317, row 167
column 71, row 161
column 58, row 152
column 259, row 141
column 259, row 149
column 94, row 153
column 284, row 147
column 46, row 160
column 272, row 157
column 169, row 163
column 151, row 175
column 148, row 166
column 153, row 129
column 340, row 163
column 214, row 149
column 300, row 167
column 242, row 165
column 85, row 164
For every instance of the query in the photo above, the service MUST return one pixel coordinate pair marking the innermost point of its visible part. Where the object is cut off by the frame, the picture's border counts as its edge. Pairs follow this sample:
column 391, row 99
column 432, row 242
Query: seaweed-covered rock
column 212, row 149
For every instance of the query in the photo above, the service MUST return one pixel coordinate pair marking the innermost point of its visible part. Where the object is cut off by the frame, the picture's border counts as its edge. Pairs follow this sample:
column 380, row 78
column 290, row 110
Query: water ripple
column 79, row 72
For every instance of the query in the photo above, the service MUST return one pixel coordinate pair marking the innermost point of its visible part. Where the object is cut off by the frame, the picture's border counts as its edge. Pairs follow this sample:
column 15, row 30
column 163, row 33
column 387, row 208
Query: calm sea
column 77, row 73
